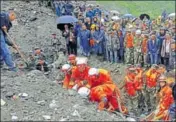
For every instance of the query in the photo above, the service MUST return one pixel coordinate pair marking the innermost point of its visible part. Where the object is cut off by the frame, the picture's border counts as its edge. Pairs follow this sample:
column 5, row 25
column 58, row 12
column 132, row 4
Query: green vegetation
column 153, row 8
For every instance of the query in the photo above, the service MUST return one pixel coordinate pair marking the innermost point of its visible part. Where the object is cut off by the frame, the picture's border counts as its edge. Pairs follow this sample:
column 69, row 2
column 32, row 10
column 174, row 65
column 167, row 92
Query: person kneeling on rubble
column 80, row 74
column 67, row 70
column 98, row 77
column 108, row 97
column 41, row 64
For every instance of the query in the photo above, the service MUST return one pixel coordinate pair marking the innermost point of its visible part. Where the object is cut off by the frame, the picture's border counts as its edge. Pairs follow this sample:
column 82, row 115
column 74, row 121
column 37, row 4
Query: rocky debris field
column 34, row 96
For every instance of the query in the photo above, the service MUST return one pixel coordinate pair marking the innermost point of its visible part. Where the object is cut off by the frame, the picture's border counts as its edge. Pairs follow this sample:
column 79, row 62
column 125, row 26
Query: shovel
column 17, row 49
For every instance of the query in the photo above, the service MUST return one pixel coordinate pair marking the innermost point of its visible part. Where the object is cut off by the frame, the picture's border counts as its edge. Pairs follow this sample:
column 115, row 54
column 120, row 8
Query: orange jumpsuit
column 106, row 90
column 166, row 99
column 78, row 76
column 103, row 77
column 67, row 83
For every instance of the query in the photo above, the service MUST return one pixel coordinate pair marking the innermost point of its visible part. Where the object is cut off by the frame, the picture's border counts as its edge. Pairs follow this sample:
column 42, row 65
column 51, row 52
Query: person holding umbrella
column 66, row 34
column 73, row 42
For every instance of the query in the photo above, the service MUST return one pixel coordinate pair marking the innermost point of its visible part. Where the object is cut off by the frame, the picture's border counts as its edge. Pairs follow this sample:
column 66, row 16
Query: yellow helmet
column 93, row 26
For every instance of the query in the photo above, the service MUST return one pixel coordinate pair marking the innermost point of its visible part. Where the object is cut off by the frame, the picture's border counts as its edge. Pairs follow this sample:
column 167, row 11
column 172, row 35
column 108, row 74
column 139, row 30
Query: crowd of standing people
column 123, row 40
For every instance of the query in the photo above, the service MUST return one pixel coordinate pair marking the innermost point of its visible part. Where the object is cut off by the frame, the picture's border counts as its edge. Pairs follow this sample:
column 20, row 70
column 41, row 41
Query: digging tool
column 149, row 117
column 17, row 49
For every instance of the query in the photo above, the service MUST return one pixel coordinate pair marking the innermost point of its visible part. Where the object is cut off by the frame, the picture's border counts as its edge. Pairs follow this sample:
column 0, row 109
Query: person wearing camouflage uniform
column 131, row 94
column 37, row 60
column 31, row 61
column 60, row 61
column 137, row 47
column 144, row 50
column 129, row 50
column 151, row 87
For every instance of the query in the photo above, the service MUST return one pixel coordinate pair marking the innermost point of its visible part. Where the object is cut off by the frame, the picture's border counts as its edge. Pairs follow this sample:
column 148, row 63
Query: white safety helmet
column 138, row 31
column 84, row 91
column 66, row 67
column 93, row 71
column 81, row 60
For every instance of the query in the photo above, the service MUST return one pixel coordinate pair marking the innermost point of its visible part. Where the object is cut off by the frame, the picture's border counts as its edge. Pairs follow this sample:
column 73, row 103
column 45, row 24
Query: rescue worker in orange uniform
column 165, row 100
column 108, row 97
column 98, row 77
column 151, row 77
column 130, row 90
column 67, row 70
column 80, row 74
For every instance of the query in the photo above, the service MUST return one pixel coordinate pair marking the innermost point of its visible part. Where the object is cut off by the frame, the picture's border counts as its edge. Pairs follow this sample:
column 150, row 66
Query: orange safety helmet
column 71, row 57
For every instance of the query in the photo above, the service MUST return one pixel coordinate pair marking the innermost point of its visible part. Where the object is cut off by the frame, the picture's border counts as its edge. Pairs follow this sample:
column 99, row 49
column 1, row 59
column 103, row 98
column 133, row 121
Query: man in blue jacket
column 89, row 13
column 98, row 36
column 153, row 49
column 6, row 19
column 85, row 40
column 97, row 10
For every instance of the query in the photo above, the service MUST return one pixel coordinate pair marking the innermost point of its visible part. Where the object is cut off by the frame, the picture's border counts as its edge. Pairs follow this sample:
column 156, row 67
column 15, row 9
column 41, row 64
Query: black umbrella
column 69, row 20
column 144, row 15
